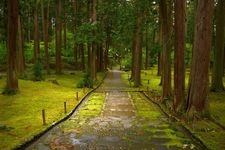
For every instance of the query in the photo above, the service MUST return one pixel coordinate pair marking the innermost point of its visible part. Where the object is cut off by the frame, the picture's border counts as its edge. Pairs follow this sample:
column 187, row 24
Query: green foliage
column 68, row 51
column 188, row 54
column 126, row 64
column 153, row 54
column 29, row 48
column 86, row 81
column 3, row 52
column 37, row 71
column 88, row 33
column 191, row 10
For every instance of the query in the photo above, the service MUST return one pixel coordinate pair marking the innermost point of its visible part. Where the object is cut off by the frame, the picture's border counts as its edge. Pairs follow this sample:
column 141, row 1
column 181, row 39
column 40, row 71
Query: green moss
column 156, row 126
column 207, row 131
column 88, row 111
column 22, row 112
column 144, row 109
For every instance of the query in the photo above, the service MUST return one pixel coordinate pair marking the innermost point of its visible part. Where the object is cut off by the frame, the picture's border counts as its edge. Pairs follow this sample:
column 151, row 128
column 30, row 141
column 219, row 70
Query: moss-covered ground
column 157, row 126
column 91, row 109
column 21, row 114
column 211, row 134
column 91, row 128
column 115, row 119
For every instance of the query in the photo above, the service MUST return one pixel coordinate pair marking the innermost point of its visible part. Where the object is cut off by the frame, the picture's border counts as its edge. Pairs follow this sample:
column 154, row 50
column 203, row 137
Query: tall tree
column 45, row 17
column 198, row 86
column 12, row 80
column 217, row 76
column 64, row 26
column 137, row 50
column 82, row 56
column 165, row 10
column 160, row 36
column 36, row 33
column 147, row 48
column 179, row 67
column 58, row 36
column 20, row 52
column 94, row 44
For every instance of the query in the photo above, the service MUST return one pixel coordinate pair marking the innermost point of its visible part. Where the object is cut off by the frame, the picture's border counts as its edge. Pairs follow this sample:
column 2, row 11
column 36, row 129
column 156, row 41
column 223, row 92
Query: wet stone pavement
column 111, row 119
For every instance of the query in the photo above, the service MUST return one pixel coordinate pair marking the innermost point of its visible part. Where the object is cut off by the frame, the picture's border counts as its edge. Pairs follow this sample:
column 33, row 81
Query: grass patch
column 21, row 113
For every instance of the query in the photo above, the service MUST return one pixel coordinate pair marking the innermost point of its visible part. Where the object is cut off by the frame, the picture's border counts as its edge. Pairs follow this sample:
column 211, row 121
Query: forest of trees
column 91, row 35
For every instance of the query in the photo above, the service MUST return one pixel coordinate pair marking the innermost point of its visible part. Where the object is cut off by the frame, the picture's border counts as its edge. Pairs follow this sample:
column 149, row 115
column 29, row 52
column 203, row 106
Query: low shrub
column 38, row 71
column 86, row 81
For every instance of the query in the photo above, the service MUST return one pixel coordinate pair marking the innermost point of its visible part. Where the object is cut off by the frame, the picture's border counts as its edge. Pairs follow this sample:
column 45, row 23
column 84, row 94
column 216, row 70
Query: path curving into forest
column 113, row 118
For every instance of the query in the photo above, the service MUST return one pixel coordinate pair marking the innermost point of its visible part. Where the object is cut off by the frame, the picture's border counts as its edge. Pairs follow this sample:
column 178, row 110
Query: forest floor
column 116, row 117
column 207, row 129
column 21, row 114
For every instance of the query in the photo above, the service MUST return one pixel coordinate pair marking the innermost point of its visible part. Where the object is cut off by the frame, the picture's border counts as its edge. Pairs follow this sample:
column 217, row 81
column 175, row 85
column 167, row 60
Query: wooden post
column 84, row 90
column 77, row 96
column 43, row 117
column 148, row 81
column 65, row 108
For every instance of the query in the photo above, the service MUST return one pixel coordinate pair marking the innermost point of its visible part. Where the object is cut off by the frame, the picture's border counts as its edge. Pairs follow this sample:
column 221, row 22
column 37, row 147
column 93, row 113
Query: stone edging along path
column 36, row 137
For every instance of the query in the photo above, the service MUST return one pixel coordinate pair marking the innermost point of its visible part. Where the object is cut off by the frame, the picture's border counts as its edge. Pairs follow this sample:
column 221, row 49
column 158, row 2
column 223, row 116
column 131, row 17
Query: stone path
column 113, row 119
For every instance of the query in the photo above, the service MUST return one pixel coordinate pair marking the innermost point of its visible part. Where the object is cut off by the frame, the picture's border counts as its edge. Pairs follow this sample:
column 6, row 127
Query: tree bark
column 160, row 61
column 58, row 37
column 89, row 56
column 93, row 61
column 147, row 50
column 217, row 76
column 137, row 51
column 94, row 44
column 179, row 64
column 45, row 17
column 165, row 9
column 36, row 33
column 82, row 57
column 64, row 26
column 198, row 86
column 20, row 52
column 65, row 35
column 12, row 80
column 101, row 58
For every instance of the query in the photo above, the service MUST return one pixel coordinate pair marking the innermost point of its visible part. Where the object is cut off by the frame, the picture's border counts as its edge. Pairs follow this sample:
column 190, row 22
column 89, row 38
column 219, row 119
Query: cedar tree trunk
column 12, row 80
column 179, row 66
column 198, row 86
column 217, row 76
